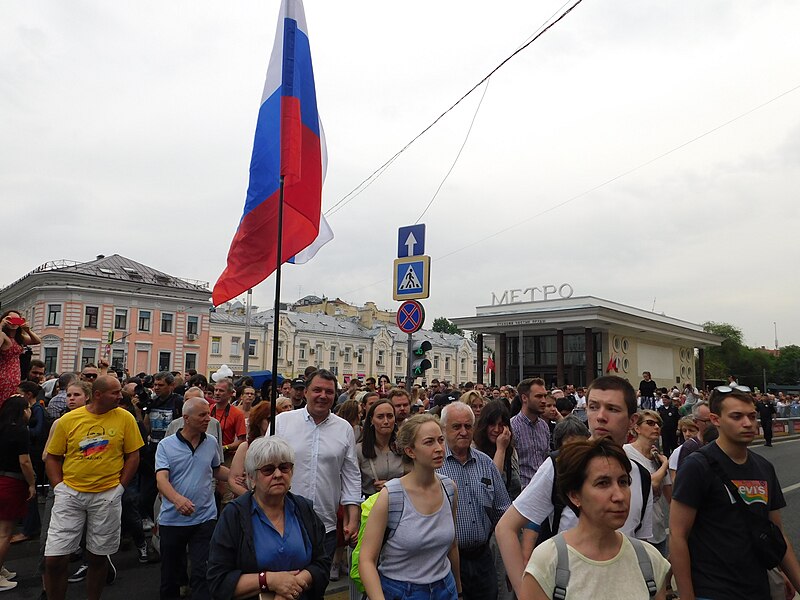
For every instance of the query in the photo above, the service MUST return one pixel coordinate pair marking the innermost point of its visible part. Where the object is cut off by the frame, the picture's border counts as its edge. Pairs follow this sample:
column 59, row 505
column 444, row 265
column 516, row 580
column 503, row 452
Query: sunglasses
column 650, row 423
column 89, row 375
column 268, row 470
column 726, row 389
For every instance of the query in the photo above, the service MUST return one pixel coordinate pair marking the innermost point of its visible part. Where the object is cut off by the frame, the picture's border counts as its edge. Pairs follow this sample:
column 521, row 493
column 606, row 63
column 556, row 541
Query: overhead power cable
column 356, row 191
column 460, row 150
column 601, row 185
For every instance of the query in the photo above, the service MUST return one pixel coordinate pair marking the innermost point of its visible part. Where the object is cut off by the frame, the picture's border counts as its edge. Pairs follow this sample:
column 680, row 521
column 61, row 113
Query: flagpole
column 277, row 314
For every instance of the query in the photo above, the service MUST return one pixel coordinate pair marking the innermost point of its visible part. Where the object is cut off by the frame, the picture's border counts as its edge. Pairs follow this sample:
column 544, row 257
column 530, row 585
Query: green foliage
column 444, row 325
column 749, row 364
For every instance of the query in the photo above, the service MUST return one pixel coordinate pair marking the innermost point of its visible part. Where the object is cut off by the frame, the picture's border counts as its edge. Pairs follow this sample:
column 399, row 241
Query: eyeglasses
column 268, row 470
column 89, row 375
column 650, row 423
column 727, row 389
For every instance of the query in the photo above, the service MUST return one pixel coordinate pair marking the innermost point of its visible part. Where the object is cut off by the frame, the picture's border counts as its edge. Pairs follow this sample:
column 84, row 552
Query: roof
column 348, row 327
column 119, row 268
column 584, row 311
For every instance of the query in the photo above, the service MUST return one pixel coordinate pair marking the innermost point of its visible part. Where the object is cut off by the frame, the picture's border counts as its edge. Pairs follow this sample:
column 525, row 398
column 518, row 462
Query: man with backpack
column 611, row 410
column 725, row 523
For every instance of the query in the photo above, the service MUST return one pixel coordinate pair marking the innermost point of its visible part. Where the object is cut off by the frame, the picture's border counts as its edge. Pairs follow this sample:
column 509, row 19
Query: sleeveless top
column 417, row 550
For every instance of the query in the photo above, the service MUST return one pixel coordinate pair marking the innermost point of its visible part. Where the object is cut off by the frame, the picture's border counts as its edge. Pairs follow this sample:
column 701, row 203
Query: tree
column 726, row 330
column 734, row 358
column 444, row 325
column 787, row 367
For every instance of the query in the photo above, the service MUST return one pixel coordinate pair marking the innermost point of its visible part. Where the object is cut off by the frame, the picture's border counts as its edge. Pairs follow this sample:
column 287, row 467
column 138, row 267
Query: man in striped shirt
column 531, row 433
column 482, row 500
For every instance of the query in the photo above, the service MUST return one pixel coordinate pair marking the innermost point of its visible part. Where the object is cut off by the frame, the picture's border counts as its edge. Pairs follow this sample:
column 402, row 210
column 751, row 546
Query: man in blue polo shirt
column 186, row 464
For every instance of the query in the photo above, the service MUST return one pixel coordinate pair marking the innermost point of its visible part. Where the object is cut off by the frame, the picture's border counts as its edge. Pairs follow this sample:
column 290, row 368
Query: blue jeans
column 444, row 589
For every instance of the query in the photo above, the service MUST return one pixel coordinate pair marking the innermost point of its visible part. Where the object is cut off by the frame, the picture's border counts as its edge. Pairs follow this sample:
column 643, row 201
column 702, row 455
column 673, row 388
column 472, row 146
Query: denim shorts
column 444, row 589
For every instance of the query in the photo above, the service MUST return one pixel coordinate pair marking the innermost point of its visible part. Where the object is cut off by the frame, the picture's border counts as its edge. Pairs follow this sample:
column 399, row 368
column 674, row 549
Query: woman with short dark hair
column 594, row 479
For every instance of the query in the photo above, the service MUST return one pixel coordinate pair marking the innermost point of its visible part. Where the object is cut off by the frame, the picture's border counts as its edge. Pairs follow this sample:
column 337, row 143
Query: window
column 165, row 361
column 144, row 320
column 435, row 361
column 318, row 354
column 51, row 360
column 235, row 348
column 381, row 356
column 53, row 315
column 121, row 318
column 463, row 364
column 333, row 355
column 90, row 317
column 166, row 322
column 301, row 352
column 347, row 358
column 88, row 355
column 280, row 349
column 446, row 363
column 192, row 325
column 215, row 345
column 118, row 359
column 251, row 351
column 360, row 356
column 398, row 359
column 191, row 361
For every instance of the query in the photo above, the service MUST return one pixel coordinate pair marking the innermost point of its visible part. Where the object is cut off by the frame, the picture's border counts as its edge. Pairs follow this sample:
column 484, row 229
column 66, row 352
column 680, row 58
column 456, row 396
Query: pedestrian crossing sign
column 412, row 277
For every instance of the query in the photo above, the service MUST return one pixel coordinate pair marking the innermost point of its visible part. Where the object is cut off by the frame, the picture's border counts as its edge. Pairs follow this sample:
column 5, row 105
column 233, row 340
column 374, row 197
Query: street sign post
column 412, row 276
column 411, row 241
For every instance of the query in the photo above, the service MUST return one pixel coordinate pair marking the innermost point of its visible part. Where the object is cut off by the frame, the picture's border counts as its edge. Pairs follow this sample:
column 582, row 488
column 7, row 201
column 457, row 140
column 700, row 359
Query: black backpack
column 547, row 530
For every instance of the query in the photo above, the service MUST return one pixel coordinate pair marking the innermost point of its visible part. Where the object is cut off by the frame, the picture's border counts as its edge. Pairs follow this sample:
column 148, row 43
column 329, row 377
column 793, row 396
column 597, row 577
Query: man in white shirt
column 326, row 468
column 611, row 408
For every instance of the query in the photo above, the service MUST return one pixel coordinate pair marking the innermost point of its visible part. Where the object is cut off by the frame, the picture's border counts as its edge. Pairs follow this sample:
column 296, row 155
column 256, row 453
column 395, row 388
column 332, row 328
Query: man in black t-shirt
column 647, row 392
column 670, row 415
column 710, row 547
column 766, row 410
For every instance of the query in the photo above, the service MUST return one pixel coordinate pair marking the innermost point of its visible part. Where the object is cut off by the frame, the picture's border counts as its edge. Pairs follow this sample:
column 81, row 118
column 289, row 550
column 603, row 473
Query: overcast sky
column 127, row 128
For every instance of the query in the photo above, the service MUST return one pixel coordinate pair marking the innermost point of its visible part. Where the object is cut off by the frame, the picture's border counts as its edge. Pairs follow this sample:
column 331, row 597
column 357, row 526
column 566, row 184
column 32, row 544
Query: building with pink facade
column 136, row 317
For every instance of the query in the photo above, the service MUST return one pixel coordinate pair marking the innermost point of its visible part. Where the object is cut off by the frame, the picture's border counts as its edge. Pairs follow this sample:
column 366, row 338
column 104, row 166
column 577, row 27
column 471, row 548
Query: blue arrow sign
column 411, row 241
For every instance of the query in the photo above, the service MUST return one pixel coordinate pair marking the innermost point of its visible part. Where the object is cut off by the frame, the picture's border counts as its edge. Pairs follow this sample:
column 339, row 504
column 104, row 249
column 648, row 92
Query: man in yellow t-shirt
column 91, row 458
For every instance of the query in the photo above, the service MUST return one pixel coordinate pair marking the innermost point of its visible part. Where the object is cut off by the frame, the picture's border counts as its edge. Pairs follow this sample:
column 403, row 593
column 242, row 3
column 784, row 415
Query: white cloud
column 128, row 128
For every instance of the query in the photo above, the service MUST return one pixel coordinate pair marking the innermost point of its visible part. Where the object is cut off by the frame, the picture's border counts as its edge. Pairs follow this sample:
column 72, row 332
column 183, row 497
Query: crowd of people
column 447, row 492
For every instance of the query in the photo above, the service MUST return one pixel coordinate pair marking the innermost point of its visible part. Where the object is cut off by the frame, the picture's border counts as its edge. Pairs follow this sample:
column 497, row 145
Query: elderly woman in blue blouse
column 269, row 541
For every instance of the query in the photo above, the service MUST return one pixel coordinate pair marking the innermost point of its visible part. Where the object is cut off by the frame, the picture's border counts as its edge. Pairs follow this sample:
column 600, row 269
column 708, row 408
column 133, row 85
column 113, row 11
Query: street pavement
column 141, row 581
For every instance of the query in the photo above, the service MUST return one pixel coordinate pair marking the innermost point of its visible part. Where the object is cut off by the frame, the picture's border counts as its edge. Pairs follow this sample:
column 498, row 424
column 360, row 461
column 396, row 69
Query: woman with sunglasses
column 14, row 334
column 269, row 540
column 644, row 450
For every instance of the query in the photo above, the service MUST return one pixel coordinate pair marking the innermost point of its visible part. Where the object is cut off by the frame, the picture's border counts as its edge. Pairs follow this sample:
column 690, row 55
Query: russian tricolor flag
column 289, row 142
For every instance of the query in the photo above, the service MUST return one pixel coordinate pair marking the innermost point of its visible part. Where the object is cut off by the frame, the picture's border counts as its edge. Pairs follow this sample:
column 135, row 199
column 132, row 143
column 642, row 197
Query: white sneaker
column 6, row 585
column 6, row 573
column 334, row 575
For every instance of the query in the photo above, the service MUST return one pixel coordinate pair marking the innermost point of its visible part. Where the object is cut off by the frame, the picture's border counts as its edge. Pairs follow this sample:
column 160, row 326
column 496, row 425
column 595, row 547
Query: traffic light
column 420, row 364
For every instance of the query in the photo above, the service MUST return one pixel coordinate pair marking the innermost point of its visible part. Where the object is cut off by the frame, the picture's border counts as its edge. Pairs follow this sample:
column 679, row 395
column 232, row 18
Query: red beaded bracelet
column 262, row 581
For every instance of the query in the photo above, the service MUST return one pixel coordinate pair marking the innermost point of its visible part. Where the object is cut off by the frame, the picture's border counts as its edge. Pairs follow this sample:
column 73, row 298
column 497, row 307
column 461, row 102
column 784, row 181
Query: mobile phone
column 16, row 321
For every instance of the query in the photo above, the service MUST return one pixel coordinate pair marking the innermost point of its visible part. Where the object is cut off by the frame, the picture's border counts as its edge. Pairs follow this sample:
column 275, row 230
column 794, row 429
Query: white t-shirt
column 619, row 578
column 535, row 504
column 660, row 505
column 674, row 458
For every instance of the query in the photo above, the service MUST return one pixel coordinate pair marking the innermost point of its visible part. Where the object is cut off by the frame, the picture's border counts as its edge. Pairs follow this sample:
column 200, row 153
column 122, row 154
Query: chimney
column 99, row 256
